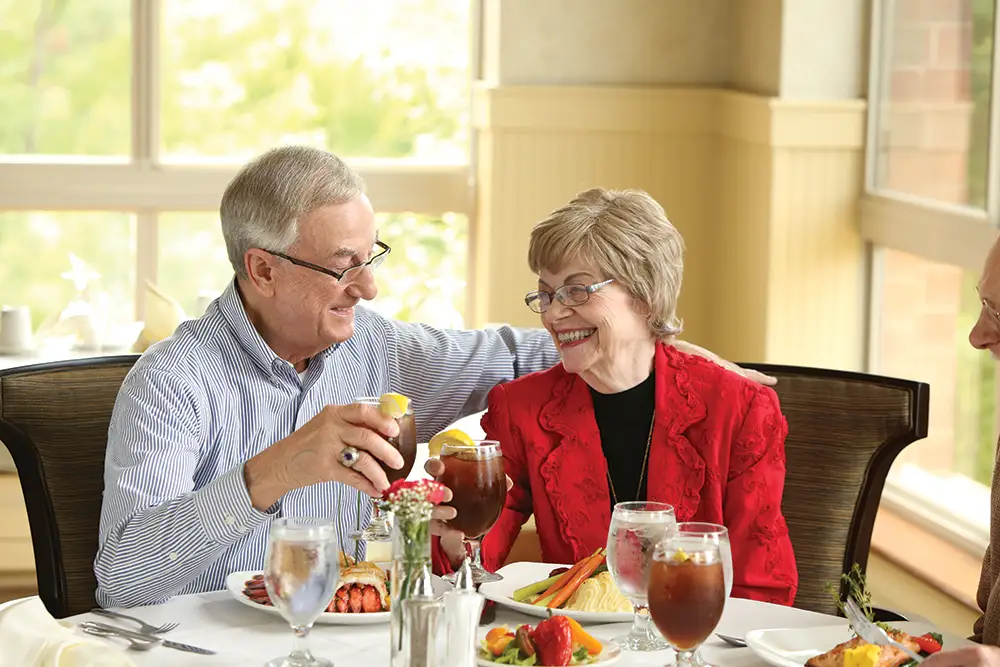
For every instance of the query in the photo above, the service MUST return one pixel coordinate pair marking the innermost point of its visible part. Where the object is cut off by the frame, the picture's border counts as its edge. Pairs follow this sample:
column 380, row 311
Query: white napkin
column 31, row 637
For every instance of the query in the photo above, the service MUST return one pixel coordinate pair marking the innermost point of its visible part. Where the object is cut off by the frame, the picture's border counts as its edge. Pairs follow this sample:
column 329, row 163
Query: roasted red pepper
column 927, row 643
column 553, row 638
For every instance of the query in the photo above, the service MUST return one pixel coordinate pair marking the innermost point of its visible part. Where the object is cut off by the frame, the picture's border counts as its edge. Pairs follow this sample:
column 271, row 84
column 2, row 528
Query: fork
column 133, row 643
column 144, row 627
column 872, row 633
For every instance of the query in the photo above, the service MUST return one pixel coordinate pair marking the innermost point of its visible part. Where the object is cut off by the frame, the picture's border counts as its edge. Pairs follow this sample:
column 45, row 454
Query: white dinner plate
column 793, row 647
column 235, row 583
column 518, row 575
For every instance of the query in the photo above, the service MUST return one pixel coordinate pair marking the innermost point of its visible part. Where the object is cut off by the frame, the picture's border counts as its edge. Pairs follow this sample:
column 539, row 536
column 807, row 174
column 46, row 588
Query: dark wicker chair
column 844, row 432
column 54, row 420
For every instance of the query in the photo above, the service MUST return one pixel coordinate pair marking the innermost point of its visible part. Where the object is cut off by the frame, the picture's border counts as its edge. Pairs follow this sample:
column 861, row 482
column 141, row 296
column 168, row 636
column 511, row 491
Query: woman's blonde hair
column 626, row 234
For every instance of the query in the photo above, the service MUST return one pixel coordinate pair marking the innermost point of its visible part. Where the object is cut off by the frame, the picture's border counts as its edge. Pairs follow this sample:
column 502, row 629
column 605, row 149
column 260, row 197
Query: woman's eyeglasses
column 568, row 295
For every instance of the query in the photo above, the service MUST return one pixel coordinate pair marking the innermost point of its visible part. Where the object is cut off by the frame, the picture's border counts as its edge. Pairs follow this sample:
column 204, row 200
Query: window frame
column 933, row 230
column 145, row 187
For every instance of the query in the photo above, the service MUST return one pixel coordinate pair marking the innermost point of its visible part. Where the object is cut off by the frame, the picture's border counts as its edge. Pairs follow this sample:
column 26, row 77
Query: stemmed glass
column 478, row 486
column 378, row 529
column 687, row 591
column 720, row 535
column 636, row 529
column 301, row 573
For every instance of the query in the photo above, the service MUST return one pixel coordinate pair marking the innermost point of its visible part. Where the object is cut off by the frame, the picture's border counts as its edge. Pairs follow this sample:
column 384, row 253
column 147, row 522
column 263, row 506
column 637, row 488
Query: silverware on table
column 122, row 632
column 133, row 644
column 144, row 627
column 872, row 633
column 733, row 641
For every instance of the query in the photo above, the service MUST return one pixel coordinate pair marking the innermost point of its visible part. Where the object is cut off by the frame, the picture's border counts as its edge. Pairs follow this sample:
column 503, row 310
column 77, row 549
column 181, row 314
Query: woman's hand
column 970, row 656
column 755, row 376
column 451, row 539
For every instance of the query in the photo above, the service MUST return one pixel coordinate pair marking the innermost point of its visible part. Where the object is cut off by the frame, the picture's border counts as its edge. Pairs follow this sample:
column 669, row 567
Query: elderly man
column 985, row 335
column 246, row 413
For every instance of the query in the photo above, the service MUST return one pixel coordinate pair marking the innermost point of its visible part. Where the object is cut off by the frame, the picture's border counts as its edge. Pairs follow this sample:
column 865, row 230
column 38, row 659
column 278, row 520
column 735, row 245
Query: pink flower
column 415, row 497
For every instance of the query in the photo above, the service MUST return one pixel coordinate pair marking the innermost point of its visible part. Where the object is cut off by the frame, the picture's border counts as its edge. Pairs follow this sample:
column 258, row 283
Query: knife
column 138, row 635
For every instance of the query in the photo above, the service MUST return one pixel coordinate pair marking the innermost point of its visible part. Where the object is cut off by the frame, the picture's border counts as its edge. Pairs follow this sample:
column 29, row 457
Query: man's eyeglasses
column 346, row 275
column 994, row 315
column 568, row 295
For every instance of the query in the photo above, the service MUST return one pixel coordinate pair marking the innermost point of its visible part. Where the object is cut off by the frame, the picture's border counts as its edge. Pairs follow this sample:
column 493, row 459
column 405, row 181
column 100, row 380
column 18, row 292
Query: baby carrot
column 581, row 575
column 564, row 577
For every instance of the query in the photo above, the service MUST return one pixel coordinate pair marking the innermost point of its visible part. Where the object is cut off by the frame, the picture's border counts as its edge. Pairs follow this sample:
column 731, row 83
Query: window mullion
column 993, row 160
column 146, row 255
column 876, row 76
column 145, row 82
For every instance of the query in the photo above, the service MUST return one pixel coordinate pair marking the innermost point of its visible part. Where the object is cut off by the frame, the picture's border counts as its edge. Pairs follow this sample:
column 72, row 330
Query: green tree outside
column 389, row 80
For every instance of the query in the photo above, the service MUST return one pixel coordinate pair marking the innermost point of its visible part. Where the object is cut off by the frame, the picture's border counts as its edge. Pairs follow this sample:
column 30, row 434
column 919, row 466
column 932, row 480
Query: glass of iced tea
column 636, row 529
column 478, row 486
column 378, row 529
column 720, row 535
column 687, row 592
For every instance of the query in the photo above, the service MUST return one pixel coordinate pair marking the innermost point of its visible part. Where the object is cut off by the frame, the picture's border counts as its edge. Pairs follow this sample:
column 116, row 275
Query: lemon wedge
column 452, row 437
column 680, row 556
column 393, row 405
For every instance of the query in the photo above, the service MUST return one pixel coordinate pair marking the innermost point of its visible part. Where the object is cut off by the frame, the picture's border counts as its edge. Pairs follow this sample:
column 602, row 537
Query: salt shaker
column 462, row 609
column 421, row 613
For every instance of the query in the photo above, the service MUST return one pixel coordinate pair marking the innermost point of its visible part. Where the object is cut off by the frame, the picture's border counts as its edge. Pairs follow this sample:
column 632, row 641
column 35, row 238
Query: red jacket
column 717, row 455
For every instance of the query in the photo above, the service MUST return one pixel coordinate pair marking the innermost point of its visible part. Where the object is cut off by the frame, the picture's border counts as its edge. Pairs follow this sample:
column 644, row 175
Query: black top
column 624, row 420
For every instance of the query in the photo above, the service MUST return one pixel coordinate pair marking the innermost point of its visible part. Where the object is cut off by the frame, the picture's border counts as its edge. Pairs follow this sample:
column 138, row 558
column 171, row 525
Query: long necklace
column 642, row 475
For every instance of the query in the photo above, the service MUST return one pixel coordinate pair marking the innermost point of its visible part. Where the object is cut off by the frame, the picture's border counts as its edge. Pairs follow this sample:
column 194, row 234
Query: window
column 380, row 78
column 932, row 111
column 49, row 259
column 931, row 213
column 122, row 128
column 64, row 83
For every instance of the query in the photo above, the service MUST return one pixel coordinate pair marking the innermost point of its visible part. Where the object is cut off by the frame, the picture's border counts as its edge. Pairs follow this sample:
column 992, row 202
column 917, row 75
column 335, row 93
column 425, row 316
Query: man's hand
column 755, row 376
column 451, row 539
column 971, row 656
column 311, row 454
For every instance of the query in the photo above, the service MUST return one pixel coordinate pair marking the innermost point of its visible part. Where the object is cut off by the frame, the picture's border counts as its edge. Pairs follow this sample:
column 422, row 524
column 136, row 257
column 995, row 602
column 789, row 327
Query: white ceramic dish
column 235, row 583
column 793, row 647
column 518, row 575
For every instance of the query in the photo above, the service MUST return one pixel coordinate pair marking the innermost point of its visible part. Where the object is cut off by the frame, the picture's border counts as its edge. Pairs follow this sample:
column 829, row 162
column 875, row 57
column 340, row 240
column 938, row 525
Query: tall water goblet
column 636, row 529
column 301, row 572
column 405, row 442
column 478, row 486
column 687, row 592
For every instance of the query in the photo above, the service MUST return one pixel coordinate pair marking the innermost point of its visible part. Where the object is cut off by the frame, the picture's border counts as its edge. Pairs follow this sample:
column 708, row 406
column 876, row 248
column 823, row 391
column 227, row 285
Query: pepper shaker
column 421, row 613
column 463, row 606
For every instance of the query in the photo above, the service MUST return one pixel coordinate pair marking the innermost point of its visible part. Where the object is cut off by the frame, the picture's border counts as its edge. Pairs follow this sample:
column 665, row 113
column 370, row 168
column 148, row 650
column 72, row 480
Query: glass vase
column 411, row 551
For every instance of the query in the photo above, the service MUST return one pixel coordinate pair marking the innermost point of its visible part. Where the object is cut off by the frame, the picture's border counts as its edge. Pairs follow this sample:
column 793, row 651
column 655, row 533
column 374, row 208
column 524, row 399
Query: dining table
column 244, row 636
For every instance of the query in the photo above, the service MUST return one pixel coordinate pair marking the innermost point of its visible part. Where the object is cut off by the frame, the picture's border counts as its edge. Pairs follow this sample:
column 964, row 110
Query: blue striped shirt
column 177, row 516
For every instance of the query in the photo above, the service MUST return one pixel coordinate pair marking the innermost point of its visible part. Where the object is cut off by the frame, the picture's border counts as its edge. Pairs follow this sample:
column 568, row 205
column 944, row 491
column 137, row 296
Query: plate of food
column 361, row 596
column 554, row 642
column 584, row 591
column 838, row 646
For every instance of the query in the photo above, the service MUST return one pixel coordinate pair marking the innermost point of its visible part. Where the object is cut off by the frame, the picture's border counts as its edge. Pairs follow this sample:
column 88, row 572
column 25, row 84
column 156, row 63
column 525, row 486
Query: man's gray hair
column 262, row 205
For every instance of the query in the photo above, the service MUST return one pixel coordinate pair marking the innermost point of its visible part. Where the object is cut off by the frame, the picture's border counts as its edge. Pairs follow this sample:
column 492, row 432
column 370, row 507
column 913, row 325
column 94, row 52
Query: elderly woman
column 626, row 416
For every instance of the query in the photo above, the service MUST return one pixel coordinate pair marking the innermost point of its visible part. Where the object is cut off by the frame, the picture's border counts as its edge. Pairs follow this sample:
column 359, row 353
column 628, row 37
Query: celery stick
column 531, row 589
column 544, row 602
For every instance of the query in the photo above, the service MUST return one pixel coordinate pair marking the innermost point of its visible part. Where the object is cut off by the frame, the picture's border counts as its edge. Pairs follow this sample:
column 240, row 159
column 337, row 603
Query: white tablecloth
column 244, row 636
